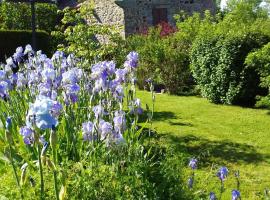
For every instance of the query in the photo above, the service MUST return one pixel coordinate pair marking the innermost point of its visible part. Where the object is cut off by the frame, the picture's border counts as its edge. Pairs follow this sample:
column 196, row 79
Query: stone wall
column 107, row 12
column 136, row 15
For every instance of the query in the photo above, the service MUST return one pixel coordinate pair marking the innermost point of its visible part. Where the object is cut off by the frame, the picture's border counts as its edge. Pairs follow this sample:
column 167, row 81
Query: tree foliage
column 81, row 34
column 18, row 16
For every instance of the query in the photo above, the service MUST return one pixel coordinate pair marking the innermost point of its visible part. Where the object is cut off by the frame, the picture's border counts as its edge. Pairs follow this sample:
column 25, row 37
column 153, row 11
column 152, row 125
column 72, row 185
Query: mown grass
column 218, row 135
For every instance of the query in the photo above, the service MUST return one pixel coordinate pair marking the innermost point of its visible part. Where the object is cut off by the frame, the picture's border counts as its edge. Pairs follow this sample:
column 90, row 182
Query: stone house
column 134, row 15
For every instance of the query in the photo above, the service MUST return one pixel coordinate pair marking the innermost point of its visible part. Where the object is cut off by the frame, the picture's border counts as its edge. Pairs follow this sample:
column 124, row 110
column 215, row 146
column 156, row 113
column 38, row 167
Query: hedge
column 218, row 65
column 11, row 39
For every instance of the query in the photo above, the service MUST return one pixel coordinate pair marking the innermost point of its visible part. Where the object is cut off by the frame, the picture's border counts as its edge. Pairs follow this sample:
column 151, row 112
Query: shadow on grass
column 209, row 152
column 180, row 124
column 159, row 116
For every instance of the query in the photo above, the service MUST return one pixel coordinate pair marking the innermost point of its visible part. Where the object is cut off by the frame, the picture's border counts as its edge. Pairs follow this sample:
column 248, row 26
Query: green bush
column 163, row 59
column 11, row 39
column 17, row 16
column 260, row 61
column 218, row 65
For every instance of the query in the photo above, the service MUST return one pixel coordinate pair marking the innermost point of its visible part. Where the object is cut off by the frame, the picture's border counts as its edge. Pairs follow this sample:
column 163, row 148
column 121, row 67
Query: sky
column 223, row 4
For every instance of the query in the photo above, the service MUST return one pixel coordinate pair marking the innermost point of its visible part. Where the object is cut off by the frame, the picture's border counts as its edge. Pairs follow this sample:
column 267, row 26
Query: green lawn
column 217, row 135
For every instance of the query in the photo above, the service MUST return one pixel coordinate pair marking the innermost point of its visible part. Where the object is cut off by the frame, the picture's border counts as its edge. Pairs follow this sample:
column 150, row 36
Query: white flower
column 28, row 49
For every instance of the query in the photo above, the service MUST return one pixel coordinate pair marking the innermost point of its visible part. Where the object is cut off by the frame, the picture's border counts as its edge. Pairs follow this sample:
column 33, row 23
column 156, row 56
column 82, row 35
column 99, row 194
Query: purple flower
column 235, row 195
column 57, row 82
column 87, row 129
column 120, row 75
column 105, row 129
column 72, row 88
column 33, row 78
column 56, row 108
column 119, row 121
column 132, row 60
column 48, row 74
column 27, row 134
column 136, row 108
column 45, row 89
column 58, row 55
column 71, row 60
column 3, row 89
column 212, row 196
column 18, row 55
column 119, row 92
column 73, row 98
column 103, row 70
column 14, row 78
column 110, row 67
column 100, row 84
column 21, row 81
column 118, row 138
column 133, row 56
column 8, row 123
column 193, row 163
column 190, row 182
column 2, row 75
column 222, row 173
column 98, row 111
column 48, row 64
column 70, row 77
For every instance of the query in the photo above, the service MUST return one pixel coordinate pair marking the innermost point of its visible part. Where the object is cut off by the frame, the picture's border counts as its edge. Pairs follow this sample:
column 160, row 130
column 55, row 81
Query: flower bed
column 74, row 134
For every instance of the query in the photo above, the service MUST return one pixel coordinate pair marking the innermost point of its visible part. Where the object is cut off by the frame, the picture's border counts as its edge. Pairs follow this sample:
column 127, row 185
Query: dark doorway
column 159, row 15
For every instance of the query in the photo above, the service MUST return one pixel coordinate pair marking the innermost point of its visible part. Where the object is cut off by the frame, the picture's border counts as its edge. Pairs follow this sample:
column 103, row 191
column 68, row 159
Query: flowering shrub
column 165, row 29
column 79, row 129
column 164, row 59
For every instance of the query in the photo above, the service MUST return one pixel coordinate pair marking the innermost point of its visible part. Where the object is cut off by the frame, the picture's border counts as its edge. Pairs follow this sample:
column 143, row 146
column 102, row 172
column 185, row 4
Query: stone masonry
column 134, row 15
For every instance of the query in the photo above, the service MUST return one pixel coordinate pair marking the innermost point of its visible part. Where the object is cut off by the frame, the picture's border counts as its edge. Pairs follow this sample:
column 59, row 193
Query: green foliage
column 219, row 46
column 18, row 16
column 260, row 61
column 218, row 66
column 80, row 33
column 11, row 39
column 163, row 59
column 135, row 174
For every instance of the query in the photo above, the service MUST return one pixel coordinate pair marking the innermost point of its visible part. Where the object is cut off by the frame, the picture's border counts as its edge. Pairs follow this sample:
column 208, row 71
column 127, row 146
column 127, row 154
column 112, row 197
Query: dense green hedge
column 17, row 16
column 11, row 39
column 218, row 65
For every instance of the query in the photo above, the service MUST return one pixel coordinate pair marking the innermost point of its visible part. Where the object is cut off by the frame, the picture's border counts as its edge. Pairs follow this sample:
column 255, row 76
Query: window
column 159, row 15
column 187, row 1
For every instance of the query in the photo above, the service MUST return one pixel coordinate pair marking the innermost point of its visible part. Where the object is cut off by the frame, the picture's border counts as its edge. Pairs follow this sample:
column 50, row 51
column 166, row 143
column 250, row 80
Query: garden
column 174, row 112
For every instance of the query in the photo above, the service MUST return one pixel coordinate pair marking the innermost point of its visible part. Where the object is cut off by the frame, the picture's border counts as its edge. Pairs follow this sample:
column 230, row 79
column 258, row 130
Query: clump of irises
column 67, row 107
column 222, row 174
column 193, row 165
